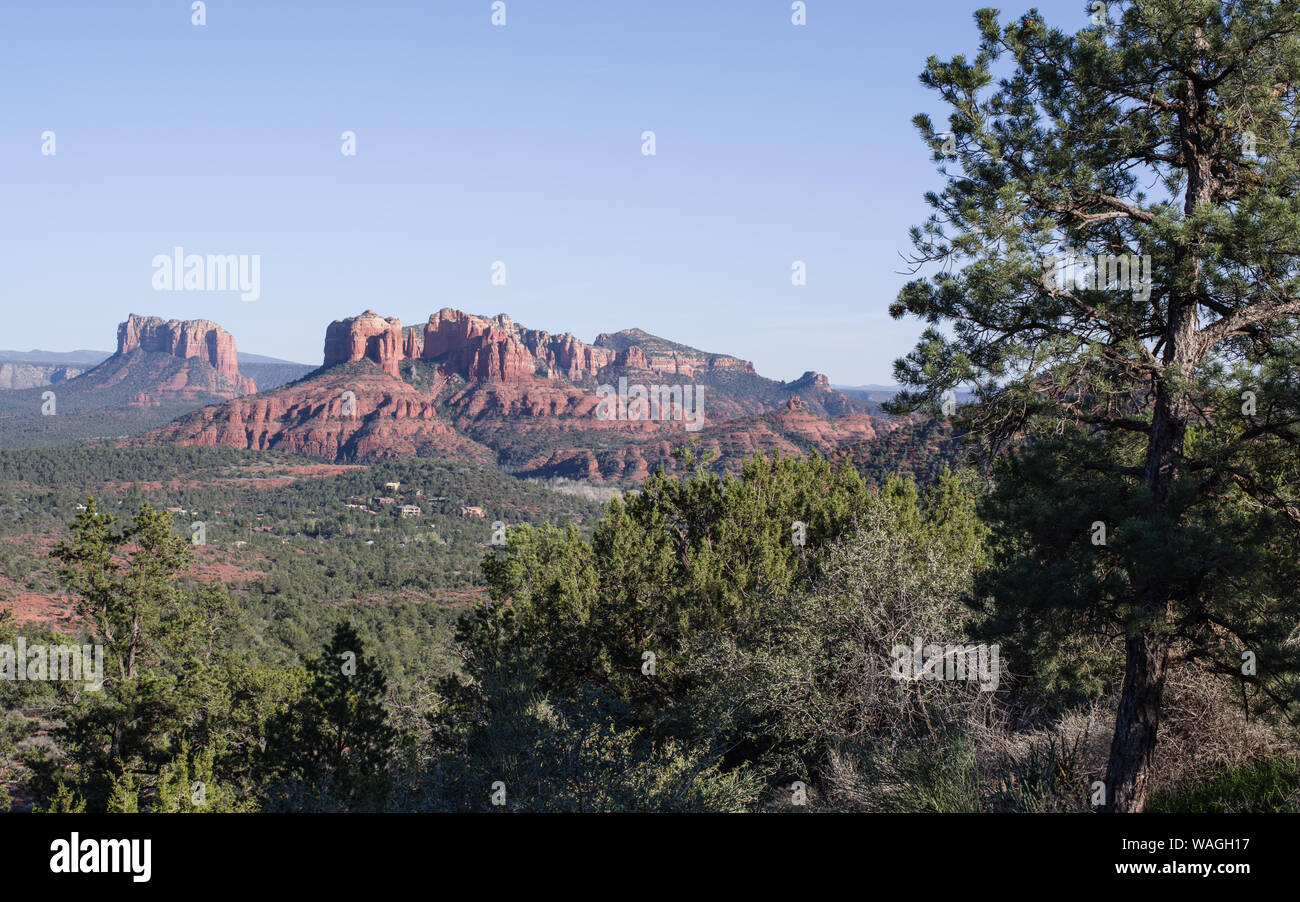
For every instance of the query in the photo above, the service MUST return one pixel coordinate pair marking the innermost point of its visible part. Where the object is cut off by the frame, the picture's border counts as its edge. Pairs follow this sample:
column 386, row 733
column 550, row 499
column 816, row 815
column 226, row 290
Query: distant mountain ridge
column 15, row 375
column 88, row 359
column 246, row 358
column 82, row 358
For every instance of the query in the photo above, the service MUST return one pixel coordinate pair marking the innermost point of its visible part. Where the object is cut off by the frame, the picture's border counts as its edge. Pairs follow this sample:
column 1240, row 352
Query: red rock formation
column 368, row 335
column 634, row 358
column 413, row 342
column 572, row 358
column 521, row 395
column 790, row 431
column 817, row 380
column 496, row 349
column 337, row 415
column 478, row 349
column 185, row 339
column 641, row 350
column 482, row 349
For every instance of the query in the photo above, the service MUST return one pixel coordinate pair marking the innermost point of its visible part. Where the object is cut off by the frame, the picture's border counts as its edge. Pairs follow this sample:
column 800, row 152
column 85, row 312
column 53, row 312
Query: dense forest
column 711, row 642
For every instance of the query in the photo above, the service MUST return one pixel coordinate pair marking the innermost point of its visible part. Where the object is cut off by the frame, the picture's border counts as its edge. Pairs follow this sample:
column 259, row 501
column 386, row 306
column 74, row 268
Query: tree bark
column 1128, row 774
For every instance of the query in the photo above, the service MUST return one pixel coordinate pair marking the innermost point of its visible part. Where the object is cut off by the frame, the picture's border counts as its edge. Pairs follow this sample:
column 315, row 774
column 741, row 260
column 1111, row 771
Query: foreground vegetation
column 712, row 642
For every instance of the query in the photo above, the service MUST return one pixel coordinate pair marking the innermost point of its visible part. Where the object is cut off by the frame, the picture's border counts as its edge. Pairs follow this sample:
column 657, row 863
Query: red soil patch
column 31, row 540
column 48, row 610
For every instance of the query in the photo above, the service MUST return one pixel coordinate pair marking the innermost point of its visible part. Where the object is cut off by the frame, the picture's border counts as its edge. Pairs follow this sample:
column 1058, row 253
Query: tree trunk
column 1146, row 649
column 1128, row 774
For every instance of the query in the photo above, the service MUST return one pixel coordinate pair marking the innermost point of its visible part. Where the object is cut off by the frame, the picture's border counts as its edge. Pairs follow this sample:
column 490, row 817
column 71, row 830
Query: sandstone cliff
column 496, row 349
column 185, row 340
column 347, row 412
column 368, row 336
column 487, row 389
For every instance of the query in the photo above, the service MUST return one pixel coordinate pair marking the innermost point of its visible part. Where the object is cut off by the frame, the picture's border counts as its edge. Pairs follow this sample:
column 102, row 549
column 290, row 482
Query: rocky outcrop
column 343, row 413
column 161, row 369
column 641, row 350
column 368, row 336
column 185, row 339
column 478, row 349
column 413, row 342
column 498, row 350
column 485, row 388
column 572, row 358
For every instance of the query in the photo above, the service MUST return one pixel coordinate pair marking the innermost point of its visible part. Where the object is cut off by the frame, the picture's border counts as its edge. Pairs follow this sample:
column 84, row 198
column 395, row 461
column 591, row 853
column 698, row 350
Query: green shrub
column 1264, row 786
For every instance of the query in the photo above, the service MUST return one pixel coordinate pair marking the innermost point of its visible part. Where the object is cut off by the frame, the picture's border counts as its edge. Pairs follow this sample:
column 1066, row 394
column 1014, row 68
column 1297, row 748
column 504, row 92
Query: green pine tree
column 332, row 747
column 1162, row 405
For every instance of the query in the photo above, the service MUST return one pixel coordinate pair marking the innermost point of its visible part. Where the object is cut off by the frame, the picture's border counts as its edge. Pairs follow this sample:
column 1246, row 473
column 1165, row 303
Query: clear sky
column 477, row 144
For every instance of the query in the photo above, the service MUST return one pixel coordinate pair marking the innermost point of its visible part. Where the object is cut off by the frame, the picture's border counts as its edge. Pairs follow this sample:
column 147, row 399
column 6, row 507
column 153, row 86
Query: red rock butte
column 496, row 349
column 184, row 339
column 369, row 336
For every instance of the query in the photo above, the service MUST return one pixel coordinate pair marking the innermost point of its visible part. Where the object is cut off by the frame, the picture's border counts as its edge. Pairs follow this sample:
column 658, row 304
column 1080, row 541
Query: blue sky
column 476, row 144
